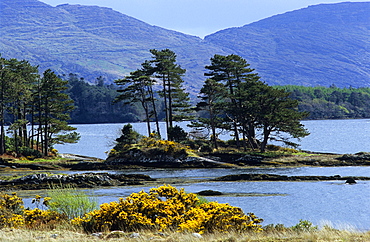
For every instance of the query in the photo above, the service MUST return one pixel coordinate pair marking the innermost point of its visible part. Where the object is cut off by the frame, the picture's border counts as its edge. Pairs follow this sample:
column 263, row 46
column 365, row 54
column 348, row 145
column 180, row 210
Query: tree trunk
column 155, row 111
column 213, row 127
column 266, row 135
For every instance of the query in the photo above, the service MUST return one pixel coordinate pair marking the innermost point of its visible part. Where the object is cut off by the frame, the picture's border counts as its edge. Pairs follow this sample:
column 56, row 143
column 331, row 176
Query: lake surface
column 323, row 202
column 331, row 136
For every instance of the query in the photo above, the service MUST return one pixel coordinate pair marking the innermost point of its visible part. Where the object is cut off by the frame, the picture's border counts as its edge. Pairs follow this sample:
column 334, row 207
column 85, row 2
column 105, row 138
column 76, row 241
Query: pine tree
column 20, row 79
column 138, row 87
column 232, row 70
column 53, row 112
column 4, row 92
column 278, row 116
column 175, row 99
column 212, row 95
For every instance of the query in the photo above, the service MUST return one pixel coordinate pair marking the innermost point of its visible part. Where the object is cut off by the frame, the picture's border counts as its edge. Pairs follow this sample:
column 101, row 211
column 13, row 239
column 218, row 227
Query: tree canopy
column 244, row 104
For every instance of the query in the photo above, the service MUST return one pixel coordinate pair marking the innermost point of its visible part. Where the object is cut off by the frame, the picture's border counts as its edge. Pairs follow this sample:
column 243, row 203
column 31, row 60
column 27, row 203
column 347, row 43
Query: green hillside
column 319, row 45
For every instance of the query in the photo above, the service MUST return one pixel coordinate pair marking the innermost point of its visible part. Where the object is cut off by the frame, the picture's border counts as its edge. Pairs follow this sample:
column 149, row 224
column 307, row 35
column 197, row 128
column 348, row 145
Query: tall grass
column 66, row 199
column 57, row 235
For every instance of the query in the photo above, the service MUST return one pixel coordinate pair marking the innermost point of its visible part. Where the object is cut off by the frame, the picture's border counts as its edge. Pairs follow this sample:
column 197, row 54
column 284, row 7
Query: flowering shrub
column 166, row 207
column 37, row 218
column 11, row 210
column 213, row 216
column 155, row 146
column 13, row 214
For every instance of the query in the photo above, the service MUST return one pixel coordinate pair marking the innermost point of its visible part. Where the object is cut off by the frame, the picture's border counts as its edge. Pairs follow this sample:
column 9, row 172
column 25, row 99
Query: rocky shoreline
column 83, row 180
column 273, row 177
column 92, row 180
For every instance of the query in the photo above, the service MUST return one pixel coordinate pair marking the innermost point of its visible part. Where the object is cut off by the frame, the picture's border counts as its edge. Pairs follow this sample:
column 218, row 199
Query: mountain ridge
column 290, row 45
column 94, row 41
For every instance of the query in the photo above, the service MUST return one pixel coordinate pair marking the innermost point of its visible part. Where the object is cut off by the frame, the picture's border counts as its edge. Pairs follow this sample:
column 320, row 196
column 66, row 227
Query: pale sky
column 199, row 17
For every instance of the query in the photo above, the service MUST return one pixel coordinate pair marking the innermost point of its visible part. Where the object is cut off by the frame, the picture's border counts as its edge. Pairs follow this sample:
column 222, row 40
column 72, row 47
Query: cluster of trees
column 161, row 73
column 35, row 107
column 233, row 98
column 332, row 102
column 93, row 103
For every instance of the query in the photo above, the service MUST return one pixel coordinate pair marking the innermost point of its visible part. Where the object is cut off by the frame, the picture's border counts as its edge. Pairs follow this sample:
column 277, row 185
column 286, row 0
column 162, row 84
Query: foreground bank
column 64, row 235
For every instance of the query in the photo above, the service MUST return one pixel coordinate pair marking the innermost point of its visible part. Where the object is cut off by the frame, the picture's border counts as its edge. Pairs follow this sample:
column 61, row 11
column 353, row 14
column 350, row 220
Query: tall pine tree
column 53, row 109
column 175, row 99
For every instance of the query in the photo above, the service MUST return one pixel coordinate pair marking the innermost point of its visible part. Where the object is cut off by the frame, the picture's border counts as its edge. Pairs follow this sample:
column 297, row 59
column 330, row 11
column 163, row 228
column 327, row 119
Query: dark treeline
column 94, row 103
column 332, row 102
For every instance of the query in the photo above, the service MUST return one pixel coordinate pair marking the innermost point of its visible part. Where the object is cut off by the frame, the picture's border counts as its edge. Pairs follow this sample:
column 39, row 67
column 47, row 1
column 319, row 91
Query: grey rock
column 197, row 235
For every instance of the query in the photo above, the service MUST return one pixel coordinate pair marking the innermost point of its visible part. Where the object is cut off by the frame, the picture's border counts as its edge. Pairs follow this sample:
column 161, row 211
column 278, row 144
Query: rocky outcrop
column 273, row 177
column 209, row 193
column 358, row 158
column 137, row 162
column 84, row 180
column 351, row 181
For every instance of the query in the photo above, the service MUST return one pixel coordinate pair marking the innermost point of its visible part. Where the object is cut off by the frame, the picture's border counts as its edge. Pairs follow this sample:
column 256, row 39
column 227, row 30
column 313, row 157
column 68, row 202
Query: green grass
column 66, row 199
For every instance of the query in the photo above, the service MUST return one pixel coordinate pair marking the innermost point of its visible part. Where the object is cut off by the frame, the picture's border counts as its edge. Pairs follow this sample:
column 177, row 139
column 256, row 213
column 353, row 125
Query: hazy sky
column 199, row 17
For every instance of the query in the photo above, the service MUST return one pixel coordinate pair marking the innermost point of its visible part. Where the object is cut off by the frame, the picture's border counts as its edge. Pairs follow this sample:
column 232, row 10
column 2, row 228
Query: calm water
column 284, row 202
column 332, row 136
column 329, row 202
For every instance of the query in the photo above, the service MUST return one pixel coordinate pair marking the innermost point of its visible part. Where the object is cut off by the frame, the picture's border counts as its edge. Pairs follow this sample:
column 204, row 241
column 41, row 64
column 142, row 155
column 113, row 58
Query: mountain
column 93, row 41
column 320, row 45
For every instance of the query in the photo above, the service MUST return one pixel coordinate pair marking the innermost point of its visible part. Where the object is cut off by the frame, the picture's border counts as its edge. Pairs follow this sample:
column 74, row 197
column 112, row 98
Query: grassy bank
column 272, row 236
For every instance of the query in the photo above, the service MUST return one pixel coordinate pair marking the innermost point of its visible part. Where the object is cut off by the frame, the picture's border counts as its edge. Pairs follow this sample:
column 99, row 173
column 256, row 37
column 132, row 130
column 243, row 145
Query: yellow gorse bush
column 38, row 218
column 152, row 144
column 11, row 210
column 166, row 207
column 162, row 208
column 13, row 214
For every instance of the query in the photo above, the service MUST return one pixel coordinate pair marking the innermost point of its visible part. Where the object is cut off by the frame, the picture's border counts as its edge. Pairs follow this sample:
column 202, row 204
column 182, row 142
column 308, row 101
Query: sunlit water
column 332, row 136
column 334, row 202
column 322, row 202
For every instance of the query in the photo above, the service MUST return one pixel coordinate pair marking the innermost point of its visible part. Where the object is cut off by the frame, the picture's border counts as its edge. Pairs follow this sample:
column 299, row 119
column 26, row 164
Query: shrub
column 11, row 211
column 37, row 218
column 304, row 226
column 177, row 133
column 155, row 147
column 166, row 207
column 28, row 152
column 281, row 149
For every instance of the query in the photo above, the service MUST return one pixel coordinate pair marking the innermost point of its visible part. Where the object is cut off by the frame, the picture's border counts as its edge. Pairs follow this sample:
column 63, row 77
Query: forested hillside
column 332, row 102
column 94, row 103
